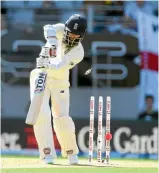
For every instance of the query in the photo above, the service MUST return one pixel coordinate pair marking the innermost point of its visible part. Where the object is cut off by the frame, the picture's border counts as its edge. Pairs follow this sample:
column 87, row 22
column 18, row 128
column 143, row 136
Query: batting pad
column 65, row 131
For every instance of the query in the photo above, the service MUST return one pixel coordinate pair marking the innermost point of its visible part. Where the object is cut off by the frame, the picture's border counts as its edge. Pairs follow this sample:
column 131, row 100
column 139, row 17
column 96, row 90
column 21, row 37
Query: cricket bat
column 37, row 99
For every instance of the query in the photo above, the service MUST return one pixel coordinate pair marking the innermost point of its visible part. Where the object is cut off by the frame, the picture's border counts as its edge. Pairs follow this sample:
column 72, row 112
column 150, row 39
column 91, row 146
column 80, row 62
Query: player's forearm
column 59, row 63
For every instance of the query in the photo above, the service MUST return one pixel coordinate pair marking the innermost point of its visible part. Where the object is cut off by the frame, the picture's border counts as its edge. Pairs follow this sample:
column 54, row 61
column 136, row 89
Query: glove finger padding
column 48, row 52
column 42, row 62
column 65, row 131
column 53, row 51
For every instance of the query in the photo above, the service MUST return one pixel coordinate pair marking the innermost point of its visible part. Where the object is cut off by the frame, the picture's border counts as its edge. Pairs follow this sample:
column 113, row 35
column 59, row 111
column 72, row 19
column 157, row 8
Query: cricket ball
column 108, row 136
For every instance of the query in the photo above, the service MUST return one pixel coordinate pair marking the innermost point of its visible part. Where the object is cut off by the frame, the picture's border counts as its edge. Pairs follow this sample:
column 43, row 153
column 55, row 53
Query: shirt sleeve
column 72, row 58
column 76, row 56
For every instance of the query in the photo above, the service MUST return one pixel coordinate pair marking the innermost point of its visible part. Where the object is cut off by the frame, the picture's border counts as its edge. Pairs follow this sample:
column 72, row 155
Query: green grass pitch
column 21, row 164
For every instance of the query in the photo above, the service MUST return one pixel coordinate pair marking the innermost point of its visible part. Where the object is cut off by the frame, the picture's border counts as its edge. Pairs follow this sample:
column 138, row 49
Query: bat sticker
column 40, row 83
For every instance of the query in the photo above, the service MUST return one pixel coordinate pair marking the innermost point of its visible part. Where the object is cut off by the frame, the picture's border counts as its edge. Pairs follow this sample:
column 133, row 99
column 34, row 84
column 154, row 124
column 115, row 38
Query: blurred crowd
column 23, row 14
column 106, row 14
column 149, row 113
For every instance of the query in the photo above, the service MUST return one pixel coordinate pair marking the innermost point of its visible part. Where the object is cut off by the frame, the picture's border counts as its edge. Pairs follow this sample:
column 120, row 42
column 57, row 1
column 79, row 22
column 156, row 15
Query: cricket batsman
column 62, row 51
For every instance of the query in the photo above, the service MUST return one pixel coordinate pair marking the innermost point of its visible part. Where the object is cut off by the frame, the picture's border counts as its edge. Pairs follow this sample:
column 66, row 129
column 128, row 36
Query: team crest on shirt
column 71, row 63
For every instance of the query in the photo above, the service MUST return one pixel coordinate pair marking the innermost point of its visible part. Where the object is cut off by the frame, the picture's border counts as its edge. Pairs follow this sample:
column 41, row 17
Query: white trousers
column 60, row 108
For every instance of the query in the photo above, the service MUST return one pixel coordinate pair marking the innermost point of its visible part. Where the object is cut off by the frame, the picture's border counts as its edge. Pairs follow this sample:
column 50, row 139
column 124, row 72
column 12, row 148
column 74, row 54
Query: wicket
column 91, row 131
column 100, row 122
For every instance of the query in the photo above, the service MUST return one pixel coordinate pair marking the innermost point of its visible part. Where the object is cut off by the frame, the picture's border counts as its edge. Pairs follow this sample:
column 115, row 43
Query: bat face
column 40, row 83
column 37, row 99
